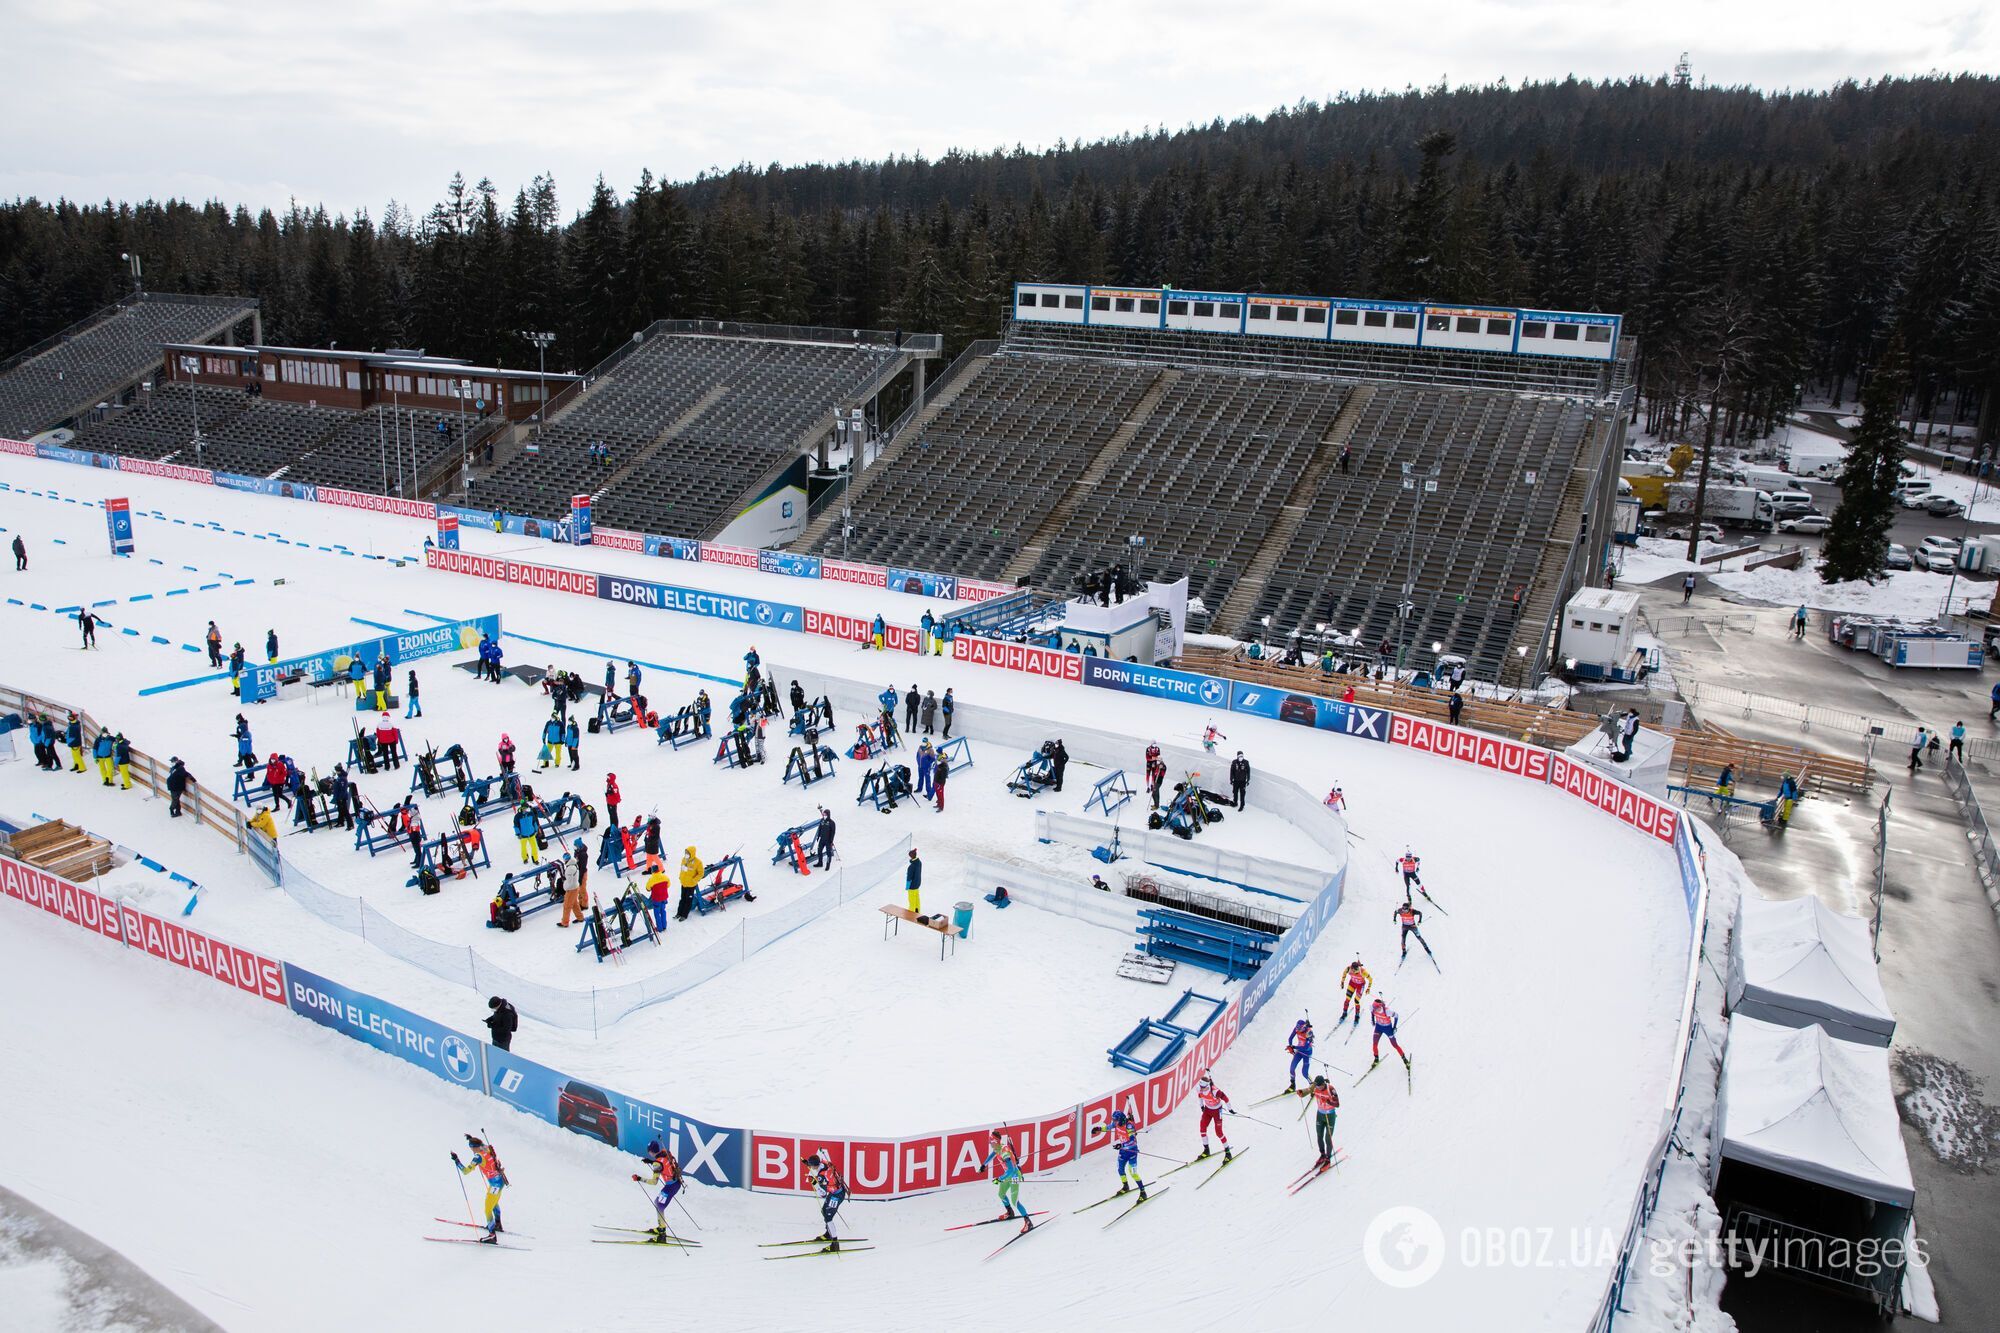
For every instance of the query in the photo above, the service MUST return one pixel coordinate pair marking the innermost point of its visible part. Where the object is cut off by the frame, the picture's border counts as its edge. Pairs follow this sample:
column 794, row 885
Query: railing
column 1893, row 731
column 1985, row 860
column 1787, row 1247
column 90, row 321
column 917, row 344
column 973, row 351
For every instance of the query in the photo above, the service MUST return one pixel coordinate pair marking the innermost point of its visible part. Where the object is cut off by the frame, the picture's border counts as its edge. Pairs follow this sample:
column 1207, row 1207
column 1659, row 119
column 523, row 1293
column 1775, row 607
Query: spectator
column 1958, row 741
column 502, row 1021
column 20, row 553
column 1058, row 761
column 1687, row 590
column 911, row 703
column 1917, row 749
column 691, row 872
column 214, row 640
column 939, row 772
column 823, row 840
column 177, row 785
column 913, row 882
column 947, row 708
column 1457, row 706
column 415, row 707
column 1239, row 778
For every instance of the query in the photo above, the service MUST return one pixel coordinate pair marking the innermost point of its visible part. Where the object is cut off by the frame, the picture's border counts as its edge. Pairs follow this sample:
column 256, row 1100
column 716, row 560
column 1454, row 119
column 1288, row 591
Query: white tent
column 1798, row 962
column 1802, row 1103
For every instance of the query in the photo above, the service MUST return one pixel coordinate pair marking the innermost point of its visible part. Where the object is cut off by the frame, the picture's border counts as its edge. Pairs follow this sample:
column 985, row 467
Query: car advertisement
column 1309, row 710
column 673, row 548
column 389, row 1028
column 1186, row 687
column 923, row 584
column 706, row 1152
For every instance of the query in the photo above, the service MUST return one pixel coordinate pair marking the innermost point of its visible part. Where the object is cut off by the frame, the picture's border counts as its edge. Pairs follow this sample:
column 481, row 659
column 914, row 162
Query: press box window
column 1345, row 318
column 1072, row 303
column 1597, row 333
column 1027, row 298
column 1468, row 324
column 1288, row 314
column 1315, row 315
column 1375, row 319
column 1565, row 333
column 1100, row 303
column 1534, row 328
column 1124, row 305
column 1204, row 310
column 1406, row 321
column 1231, row 310
column 1177, row 307
column 1259, row 311
column 1438, row 323
column 1500, row 327
column 1149, row 307
column 1051, row 299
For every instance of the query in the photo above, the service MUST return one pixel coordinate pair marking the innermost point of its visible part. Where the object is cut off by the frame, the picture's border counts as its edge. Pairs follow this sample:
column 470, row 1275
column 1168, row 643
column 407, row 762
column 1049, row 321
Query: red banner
column 147, row 467
column 1636, row 808
column 380, row 504
column 866, row 576
column 617, row 539
column 165, row 940
column 21, row 447
column 978, row 590
column 740, row 557
column 1470, row 747
column 579, row 582
column 851, row 628
column 1018, row 657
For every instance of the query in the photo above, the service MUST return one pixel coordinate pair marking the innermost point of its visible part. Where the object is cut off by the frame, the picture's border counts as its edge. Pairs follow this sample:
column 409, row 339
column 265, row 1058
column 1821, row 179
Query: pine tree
column 1857, row 544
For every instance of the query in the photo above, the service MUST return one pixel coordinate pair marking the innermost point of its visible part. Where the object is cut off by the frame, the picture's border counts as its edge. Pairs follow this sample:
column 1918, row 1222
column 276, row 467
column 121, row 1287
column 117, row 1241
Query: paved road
column 1940, row 941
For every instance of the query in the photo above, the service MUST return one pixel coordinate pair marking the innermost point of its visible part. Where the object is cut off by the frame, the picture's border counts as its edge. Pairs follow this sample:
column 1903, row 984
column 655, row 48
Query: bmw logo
column 1212, row 691
column 458, row 1058
column 763, row 613
column 786, row 509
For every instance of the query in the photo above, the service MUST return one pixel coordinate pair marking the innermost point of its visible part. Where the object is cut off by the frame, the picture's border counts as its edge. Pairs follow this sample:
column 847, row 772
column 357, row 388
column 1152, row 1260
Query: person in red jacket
column 1212, row 1100
column 276, row 777
column 387, row 738
column 611, row 797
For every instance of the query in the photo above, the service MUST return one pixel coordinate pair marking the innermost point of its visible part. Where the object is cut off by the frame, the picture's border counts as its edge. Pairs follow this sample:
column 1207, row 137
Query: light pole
column 541, row 342
column 132, row 262
column 382, row 448
column 396, row 429
column 190, row 365
column 464, row 454
column 1418, row 484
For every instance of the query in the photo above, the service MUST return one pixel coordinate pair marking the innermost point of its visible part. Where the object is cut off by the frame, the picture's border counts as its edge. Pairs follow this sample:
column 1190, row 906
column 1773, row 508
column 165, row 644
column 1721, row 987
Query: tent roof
column 1802, row 955
column 1813, row 1107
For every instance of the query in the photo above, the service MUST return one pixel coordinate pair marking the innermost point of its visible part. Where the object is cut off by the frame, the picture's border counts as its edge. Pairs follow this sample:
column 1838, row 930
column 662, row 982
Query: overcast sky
column 355, row 102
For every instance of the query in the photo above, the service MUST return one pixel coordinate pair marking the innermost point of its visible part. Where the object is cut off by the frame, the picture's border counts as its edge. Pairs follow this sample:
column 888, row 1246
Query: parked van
column 1764, row 477
column 1786, row 504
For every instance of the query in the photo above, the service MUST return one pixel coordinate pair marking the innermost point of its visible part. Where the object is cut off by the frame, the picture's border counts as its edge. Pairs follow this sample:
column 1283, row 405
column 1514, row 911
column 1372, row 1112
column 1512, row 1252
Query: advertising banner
column 1018, row 657
column 673, row 548
column 447, row 534
column 1186, row 687
column 618, row 539
column 740, row 557
column 147, row 467
column 789, row 563
column 579, row 520
column 389, row 1028
column 81, row 457
column 696, row 602
column 1470, row 747
column 118, row 522
column 1309, row 710
column 380, row 504
column 707, row 1153
column 922, row 583
column 577, row 582
column 1639, row 810
column 261, row 681
column 865, row 576
column 470, row 517
column 979, row 590
column 20, row 447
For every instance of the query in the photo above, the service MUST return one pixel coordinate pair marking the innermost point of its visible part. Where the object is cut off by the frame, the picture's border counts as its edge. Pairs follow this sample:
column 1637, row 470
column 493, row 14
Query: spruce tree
column 1858, row 542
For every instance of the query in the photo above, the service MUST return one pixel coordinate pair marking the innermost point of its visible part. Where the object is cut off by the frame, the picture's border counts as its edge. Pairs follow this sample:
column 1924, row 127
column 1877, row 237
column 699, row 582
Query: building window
column 1051, row 299
column 1346, row 318
column 1406, row 321
column 1150, row 306
column 1597, row 333
column 1204, row 310
column 1073, row 302
column 1259, row 311
column 1534, row 328
column 1315, row 314
column 1124, row 305
column 1177, row 307
column 1288, row 314
column 1468, row 324
column 1500, row 327
column 1027, row 299
column 1375, row 319
column 1230, row 310
column 1100, row 303
column 1565, row 333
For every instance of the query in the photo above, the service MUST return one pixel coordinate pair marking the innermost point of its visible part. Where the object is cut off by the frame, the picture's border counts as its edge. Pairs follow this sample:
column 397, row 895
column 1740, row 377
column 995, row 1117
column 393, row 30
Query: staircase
column 1545, row 584
column 1242, row 598
column 1057, row 519
column 913, row 430
column 674, row 427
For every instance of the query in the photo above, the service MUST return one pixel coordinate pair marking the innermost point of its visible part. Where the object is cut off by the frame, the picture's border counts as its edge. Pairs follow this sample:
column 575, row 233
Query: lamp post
column 132, row 262
column 464, row 454
column 1418, row 484
column 190, row 366
column 541, row 342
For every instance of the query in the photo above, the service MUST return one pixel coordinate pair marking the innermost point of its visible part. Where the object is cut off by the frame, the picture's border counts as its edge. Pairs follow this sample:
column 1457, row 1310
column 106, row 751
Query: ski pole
column 1253, row 1120
column 1161, row 1156
column 684, row 1208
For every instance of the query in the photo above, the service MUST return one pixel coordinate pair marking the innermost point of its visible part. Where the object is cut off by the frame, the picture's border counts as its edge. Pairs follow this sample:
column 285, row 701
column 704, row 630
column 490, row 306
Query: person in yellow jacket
column 691, row 872
column 264, row 824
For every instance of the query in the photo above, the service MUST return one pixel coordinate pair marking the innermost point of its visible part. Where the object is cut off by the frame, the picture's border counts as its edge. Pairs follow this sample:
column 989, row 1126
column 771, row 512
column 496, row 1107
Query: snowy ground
column 1914, row 594
column 830, row 1029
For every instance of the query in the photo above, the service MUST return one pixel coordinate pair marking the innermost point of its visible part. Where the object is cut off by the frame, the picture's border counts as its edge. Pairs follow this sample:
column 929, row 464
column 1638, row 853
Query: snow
column 251, row 1114
column 1911, row 594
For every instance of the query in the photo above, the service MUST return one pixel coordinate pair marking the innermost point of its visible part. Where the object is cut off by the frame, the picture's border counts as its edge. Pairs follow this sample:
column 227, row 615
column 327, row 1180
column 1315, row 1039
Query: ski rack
column 1110, row 793
column 810, row 768
column 724, row 888
column 472, row 857
column 628, row 907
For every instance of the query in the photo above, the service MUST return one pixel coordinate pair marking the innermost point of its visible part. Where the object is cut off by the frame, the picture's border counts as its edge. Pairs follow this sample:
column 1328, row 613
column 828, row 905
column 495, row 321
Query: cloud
column 354, row 104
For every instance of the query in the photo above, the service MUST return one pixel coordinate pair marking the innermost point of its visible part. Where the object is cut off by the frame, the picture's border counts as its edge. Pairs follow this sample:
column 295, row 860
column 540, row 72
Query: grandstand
column 104, row 358
column 1041, row 458
column 694, row 418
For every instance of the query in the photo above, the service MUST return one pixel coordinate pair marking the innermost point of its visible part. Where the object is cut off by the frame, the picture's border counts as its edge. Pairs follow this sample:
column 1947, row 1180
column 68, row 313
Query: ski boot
column 1203, row 1154
column 833, row 1246
column 1325, row 1161
column 1142, row 1196
column 1123, row 1187
column 659, row 1235
column 1227, row 1153
column 489, row 1239
column 1376, row 1061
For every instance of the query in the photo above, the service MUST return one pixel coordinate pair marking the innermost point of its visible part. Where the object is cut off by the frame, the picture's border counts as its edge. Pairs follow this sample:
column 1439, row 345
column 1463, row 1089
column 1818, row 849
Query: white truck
column 1730, row 506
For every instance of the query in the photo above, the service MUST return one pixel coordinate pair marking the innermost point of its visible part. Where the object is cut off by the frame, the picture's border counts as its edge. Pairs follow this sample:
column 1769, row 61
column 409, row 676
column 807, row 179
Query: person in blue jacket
column 246, row 751
column 100, row 750
column 570, row 737
column 524, row 829
column 929, row 626
column 271, row 644
column 552, row 737
column 887, row 698
column 121, row 759
column 946, row 707
column 926, row 757
column 73, row 738
column 878, row 634
column 913, row 881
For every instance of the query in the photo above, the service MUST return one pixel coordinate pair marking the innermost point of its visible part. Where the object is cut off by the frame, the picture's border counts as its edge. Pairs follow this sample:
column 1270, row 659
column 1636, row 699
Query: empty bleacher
column 100, row 358
column 690, row 422
column 974, row 486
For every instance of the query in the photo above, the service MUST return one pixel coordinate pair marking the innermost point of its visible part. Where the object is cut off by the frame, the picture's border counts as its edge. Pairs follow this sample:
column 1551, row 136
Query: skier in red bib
column 1407, row 863
column 1385, row 1020
column 1212, row 1100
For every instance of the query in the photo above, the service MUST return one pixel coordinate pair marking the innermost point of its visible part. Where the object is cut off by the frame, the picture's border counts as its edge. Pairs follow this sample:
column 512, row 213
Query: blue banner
column 118, row 518
column 579, row 520
column 83, row 457
column 673, row 548
column 1291, row 950
column 699, row 602
column 391, row 1029
column 286, row 490
column 471, row 518
column 712, row 1155
column 941, row 586
column 1684, row 840
column 261, row 681
column 1185, row 687
column 789, row 563
column 1309, row 710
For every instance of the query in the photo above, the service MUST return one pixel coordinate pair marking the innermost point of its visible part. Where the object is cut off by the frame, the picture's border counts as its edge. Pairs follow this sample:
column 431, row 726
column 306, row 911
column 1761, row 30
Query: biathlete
column 1125, row 1140
column 1407, row 863
column 1326, row 1104
column 667, row 1176
column 827, row 1182
column 1210, row 736
column 487, row 1163
column 1385, row 1020
column 1409, row 918
column 1212, row 1100
column 1301, row 1047
column 1006, row 1170
column 1336, row 800
column 1355, row 983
